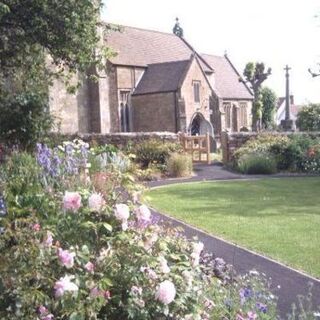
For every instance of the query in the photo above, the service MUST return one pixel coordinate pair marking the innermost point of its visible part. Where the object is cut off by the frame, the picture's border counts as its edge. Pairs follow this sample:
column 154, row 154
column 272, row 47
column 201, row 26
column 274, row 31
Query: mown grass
column 276, row 217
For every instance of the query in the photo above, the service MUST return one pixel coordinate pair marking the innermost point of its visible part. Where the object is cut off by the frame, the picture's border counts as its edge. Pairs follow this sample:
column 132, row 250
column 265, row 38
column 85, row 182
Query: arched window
column 243, row 114
column 124, row 111
column 227, row 111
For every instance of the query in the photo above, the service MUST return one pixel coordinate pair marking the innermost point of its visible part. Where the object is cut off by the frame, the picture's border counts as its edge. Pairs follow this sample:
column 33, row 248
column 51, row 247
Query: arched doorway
column 199, row 125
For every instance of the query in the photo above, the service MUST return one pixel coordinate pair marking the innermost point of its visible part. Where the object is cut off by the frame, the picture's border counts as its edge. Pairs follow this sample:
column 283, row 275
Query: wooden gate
column 197, row 146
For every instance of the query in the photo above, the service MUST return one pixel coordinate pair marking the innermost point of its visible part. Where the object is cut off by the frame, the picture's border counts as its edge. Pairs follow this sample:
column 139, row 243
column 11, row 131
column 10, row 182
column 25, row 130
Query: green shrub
column 24, row 119
column 179, row 165
column 155, row 151
column 308, row 118
column 257, row 163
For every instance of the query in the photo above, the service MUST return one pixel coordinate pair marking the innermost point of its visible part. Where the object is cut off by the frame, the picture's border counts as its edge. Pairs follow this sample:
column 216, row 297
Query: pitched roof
column 227, row 82
column 140, row 47
column 162, row 77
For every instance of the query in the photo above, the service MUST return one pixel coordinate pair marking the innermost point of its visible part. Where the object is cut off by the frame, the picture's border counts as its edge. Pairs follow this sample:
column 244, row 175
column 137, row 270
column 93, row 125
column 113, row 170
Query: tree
column 255, row 74
column 36, row 34
column 308, row 118
column 66, row 30
column 269, row 102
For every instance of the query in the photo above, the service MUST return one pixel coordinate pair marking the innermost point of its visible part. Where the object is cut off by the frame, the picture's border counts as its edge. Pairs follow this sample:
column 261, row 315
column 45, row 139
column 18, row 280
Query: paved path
column 291, row 282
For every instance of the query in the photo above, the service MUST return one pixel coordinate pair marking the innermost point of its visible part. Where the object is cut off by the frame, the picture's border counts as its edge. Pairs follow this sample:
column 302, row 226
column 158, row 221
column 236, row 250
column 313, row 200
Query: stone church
column 156, row 82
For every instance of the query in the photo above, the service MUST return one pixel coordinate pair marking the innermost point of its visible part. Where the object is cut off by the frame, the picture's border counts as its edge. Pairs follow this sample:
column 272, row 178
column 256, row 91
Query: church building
column 156, row 82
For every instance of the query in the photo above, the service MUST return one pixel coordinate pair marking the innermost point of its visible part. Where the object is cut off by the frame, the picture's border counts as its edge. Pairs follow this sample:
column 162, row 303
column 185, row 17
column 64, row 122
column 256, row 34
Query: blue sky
column 277, row 32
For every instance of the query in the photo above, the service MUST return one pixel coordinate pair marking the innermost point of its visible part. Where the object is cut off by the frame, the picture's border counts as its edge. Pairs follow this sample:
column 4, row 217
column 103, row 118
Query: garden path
column 291, row 282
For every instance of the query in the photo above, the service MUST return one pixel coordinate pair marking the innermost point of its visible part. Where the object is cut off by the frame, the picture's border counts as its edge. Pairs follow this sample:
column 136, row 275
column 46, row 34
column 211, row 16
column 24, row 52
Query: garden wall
column 117, row 139
column 230, row 142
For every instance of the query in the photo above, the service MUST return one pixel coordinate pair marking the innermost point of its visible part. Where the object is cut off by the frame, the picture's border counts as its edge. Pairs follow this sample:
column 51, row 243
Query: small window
column 196, row 91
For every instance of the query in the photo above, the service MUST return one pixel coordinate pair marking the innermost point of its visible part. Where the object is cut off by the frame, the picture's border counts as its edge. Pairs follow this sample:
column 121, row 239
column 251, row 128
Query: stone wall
column 230, row 142
column 117, row 139
column 154, row 112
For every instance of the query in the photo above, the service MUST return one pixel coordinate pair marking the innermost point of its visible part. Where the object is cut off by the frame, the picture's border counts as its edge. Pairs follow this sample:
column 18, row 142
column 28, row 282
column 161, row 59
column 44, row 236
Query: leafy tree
column 269, row 101
column 39, row 40
column 67, row 30
column 308, row 118
column 255, row 74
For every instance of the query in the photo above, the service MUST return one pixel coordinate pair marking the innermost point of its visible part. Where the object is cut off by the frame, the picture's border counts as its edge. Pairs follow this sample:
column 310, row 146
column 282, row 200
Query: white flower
column 122, row 212
column 143, row 213
column 124, row 226
column 96, row 202
column 150, row 241
column 166, row 292
column 163, row 265
column 64, row 284
column 198, row 247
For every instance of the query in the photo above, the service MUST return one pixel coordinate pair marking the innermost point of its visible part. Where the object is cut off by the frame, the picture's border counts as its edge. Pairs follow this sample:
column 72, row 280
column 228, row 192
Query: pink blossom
column 143, row 213
column 122, row 212
column 71, row 201
column 66, row 258
column 44, row 313
column 89, row 267
column 252, row 315
column 96, row 202
column 47, row 242
column 36, row 227
column 96, row 292
column 166, row 292
column 136, row 290
column 65, row 285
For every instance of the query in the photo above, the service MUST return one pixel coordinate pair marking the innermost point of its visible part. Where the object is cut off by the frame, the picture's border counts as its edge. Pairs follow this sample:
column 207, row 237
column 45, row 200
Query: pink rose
column 36, row 227
column 143, row 213
column 122, row 212
column 71, row 201
column 166, row 292
column 66, row 258
column 65, row 285
column 96, row 202
column 89, row 267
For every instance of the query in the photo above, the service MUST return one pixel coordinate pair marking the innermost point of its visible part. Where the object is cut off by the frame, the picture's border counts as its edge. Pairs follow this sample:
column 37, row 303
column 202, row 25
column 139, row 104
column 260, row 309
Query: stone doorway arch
column 200, row 126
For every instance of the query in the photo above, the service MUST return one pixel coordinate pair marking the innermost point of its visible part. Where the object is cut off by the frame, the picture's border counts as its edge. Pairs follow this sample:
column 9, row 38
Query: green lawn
column 277, row 217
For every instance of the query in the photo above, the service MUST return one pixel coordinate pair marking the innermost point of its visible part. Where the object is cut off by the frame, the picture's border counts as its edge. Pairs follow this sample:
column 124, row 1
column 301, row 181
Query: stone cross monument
column 287, row 123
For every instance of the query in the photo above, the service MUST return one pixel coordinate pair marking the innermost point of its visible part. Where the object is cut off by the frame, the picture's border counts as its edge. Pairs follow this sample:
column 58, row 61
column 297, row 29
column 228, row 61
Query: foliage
column 293, row 153
column 308, row 118
column 255, row 74
column 119, row 268
column 154, row 151
column 24, row 119
column 179, row 165
column 257, row 163
column 67, row 31
column 269, row 101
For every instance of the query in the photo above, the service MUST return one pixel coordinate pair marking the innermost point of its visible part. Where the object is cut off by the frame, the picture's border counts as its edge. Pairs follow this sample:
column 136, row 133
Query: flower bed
column 77, row 245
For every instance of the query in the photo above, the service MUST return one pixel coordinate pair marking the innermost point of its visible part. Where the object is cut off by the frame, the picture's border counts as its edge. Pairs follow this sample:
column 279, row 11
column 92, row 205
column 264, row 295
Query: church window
column 243, row 114
column 227, row 111
column 124, row 111
column 196, row 91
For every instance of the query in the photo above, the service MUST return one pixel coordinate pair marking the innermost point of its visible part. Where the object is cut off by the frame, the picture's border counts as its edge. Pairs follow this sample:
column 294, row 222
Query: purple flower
column 262, row 307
